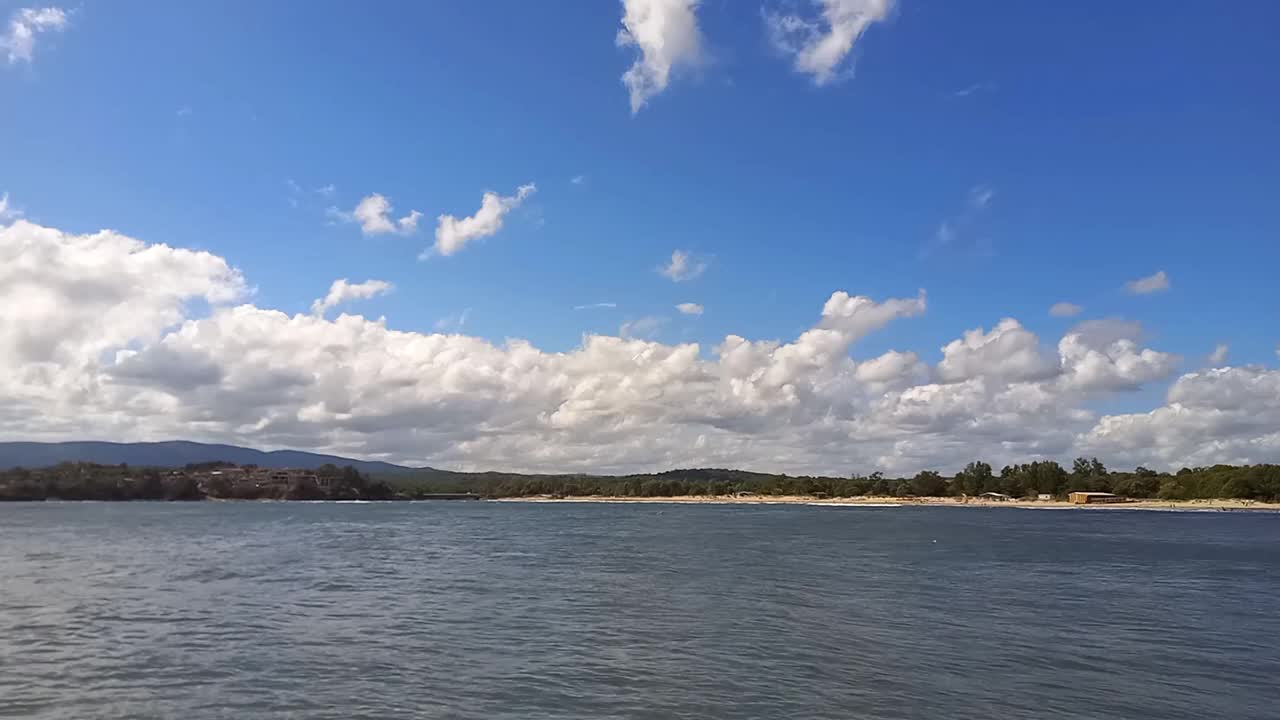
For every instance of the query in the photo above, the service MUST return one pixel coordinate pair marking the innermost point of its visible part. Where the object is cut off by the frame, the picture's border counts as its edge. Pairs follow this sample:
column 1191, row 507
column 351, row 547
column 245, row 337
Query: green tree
column 975, row 478
column 928, row 483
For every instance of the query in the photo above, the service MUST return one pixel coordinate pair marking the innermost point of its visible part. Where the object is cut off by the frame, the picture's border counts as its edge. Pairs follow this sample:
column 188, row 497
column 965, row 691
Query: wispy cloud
column 1065, row 309
column 962, row 227
column 641, row 328
column 19, row 40
column 456, row 321
column 974, row 89
column 578, row 179
column 596, row 306
column 1218, row 357
column 682, row 266
column 7, row 212
column 184, row 111
column 689, row 308
column 980, row 196
column 1158, row 282
column 820, row 45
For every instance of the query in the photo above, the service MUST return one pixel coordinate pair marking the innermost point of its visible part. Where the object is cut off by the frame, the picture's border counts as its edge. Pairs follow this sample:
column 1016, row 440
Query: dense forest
column 1255, row 482
column 197, row 481
column 85, row 481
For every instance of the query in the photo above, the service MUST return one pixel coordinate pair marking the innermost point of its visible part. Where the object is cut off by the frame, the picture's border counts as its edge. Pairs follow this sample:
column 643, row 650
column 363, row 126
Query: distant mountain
column 173, row 454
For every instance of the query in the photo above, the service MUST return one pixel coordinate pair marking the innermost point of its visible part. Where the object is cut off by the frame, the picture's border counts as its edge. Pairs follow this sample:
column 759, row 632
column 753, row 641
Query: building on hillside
column 1093, row 498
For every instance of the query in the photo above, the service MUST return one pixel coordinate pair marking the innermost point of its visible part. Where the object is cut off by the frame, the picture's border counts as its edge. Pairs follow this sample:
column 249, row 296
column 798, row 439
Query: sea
column 531, row 611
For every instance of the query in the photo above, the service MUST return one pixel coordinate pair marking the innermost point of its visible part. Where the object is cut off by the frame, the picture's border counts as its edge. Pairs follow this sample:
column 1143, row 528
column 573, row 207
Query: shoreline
column 887, row 501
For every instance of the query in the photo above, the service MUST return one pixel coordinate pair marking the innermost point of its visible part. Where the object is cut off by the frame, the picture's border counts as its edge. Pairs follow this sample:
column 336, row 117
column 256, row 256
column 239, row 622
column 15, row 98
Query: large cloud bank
column 106, row 337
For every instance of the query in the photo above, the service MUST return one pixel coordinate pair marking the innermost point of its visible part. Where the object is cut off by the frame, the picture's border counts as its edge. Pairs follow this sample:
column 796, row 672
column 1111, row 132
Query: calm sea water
column 505, row 611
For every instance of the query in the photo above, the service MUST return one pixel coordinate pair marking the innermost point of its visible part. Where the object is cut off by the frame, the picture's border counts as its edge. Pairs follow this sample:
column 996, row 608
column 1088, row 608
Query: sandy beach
column 908, row 501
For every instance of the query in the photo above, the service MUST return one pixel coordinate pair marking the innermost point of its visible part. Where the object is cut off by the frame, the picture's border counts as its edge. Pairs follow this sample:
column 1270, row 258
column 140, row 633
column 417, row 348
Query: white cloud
column 1065, row 309
column 683, row 266
column 689, row 308
column 1149, row 284
column 666, row 35
column 453, row 234
column 1218, row 357
column 109, row 337
column 373, row 213
column 326, row 190
column 1008, row 352
column 342, row 291
column 578, row 179
column 19, row 40
column 596, row 306
column 1104, row 356
column 819, row 45
column 1219, row 415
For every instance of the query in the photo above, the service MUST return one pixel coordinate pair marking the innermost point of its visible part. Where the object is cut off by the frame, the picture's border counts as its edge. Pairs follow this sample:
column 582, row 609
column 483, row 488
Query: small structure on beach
column 1093, row 498
column 1044, row 496
column 994, row 496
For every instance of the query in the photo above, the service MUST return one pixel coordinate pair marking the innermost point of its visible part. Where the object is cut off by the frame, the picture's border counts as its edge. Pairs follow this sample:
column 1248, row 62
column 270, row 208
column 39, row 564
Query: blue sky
column 1002, row 156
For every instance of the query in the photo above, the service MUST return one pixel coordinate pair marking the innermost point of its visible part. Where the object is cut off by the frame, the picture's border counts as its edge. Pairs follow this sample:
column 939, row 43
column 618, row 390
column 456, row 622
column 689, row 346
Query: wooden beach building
column 1093, row 498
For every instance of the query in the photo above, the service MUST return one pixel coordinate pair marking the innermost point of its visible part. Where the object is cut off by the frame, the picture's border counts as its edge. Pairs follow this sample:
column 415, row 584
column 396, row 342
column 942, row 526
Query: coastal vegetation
column 196, row 481
column 217, row 480
column 1255, row 482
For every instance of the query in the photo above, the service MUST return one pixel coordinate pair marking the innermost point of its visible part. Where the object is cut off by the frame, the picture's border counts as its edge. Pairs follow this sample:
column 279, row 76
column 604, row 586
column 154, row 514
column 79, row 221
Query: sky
column 804, row 236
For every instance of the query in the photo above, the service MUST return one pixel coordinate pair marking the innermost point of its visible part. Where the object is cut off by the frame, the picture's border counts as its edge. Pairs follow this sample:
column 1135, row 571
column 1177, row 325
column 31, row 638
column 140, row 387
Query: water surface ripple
column 498, row 611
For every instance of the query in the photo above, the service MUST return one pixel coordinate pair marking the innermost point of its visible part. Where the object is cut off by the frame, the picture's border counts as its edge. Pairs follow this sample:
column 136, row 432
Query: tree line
column 1253, row 482
column 196, row 481
column 87, row 481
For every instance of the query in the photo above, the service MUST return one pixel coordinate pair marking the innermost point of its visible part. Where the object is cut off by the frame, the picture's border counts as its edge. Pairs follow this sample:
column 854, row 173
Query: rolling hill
column 174, row 454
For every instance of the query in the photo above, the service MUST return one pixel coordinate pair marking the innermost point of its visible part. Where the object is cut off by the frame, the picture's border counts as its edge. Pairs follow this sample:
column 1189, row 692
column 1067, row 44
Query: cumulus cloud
column 682, row 266
column 689, row 308
column 373, row 213
column 1065, row 309
column 1219, row 415
column 1008, row 352
column 19, row 40
column 453, row 234
column 1149, row 284
column 1104, row 356
column 819, row 44
column 666, row 36
column 342, row 291
column 104, row 336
